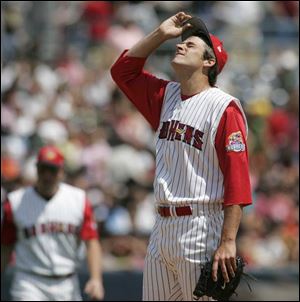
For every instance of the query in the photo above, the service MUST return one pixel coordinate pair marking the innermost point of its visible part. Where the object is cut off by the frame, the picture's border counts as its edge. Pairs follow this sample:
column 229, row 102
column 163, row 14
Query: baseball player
column 45, row 224
column 202, row 177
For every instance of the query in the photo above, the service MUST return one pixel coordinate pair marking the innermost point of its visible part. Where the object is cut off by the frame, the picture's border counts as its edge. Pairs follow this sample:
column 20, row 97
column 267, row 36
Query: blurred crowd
column 56, row 88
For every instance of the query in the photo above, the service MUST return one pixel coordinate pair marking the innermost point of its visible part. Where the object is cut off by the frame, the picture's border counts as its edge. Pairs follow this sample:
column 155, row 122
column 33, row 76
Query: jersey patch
column 235, row 142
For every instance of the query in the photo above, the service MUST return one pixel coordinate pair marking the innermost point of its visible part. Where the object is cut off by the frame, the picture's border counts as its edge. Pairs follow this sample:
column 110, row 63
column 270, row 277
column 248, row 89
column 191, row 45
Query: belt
column 167, row 211
column 50, row 276
column 60, row 276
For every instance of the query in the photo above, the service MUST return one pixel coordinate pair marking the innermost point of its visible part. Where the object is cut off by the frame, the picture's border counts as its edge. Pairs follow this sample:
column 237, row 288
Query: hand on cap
column 173, row 27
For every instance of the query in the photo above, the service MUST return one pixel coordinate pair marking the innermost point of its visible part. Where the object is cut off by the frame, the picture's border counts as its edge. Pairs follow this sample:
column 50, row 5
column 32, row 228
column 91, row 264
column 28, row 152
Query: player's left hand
column 225, row 257
column 94, row 288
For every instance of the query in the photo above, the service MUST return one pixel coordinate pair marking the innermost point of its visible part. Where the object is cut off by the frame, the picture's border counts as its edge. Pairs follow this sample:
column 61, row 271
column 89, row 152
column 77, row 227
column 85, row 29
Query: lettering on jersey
column 235, row 142
column 164, row 130
column 50, row 228
column 198, row 139
column 174, row 130
column 188, row 134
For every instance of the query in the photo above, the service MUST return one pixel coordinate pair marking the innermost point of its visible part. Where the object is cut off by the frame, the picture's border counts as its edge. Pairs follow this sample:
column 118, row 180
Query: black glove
column 218, row 290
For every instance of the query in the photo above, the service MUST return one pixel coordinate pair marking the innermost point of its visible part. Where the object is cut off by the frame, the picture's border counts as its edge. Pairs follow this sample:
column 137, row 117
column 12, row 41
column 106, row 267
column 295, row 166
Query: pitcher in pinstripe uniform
column 202, row 177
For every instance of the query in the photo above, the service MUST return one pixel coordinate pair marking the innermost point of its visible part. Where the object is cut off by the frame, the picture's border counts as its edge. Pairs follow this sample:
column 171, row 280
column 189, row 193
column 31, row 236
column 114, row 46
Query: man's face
column 48, row 177
column 189, row 53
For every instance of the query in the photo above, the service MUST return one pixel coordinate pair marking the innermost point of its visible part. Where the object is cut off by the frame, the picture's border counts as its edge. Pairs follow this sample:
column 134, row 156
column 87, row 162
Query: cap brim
column 50, row 164
column 198, row 29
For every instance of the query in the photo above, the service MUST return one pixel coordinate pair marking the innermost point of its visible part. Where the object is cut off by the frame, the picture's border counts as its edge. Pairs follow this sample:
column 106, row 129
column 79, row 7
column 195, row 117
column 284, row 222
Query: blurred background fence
column 56, row 88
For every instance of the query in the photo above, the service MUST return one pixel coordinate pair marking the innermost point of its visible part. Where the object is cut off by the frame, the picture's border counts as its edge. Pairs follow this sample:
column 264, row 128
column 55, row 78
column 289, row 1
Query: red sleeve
column 89, row 225
column 232, row 153
column 144, row 90
column 8, row 227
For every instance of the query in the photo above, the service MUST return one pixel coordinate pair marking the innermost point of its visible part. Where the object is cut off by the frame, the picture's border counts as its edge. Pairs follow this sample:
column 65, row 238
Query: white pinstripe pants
column 176, row 248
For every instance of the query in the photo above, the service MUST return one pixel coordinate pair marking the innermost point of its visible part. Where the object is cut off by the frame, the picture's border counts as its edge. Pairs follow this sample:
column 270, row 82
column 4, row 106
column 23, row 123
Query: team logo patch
column 235, row 142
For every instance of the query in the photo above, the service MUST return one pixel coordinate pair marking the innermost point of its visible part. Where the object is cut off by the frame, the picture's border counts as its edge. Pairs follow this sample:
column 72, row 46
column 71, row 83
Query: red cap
column 220, row 52
column 199, row 29
column 50, row 155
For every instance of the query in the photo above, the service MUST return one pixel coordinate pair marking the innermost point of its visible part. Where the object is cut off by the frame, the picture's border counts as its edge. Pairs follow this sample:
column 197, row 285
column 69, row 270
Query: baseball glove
column 218, row 290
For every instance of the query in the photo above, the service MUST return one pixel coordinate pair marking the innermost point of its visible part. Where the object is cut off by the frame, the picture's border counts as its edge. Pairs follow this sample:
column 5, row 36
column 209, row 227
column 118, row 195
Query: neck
column 192, row 82
column 47, row 194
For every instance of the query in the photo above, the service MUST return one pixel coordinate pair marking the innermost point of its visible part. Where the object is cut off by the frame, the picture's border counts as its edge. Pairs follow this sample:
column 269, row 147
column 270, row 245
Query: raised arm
column 144, row 90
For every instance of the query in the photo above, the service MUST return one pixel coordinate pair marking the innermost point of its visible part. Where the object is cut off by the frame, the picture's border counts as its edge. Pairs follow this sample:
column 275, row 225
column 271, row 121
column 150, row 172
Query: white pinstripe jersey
column 48, row 231
column 187, row 167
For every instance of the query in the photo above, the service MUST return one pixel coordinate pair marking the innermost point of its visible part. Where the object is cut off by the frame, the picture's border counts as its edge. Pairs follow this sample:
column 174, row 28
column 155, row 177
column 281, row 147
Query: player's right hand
column 94, row 288
column 173, row 27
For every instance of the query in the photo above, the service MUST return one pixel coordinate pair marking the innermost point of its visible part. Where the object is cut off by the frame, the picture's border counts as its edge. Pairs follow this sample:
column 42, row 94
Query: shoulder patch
column 235, row 142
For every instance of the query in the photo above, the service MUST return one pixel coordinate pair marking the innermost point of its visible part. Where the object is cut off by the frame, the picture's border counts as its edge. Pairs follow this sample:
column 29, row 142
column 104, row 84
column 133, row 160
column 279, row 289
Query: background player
column 201, row 157
column 46, row 223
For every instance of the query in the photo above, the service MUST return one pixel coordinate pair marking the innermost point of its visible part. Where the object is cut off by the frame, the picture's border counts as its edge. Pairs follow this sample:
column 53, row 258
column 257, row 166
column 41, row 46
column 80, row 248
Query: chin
column 177, row 60
column 176, row 63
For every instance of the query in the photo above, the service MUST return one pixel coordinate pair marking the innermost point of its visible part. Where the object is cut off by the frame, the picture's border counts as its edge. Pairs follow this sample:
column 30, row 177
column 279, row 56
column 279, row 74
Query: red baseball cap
column 199, row 29
column 50, row 155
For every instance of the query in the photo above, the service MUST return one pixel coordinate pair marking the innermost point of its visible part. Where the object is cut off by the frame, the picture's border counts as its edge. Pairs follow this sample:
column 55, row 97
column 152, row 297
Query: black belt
column 59, row 276
column 55, row 277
